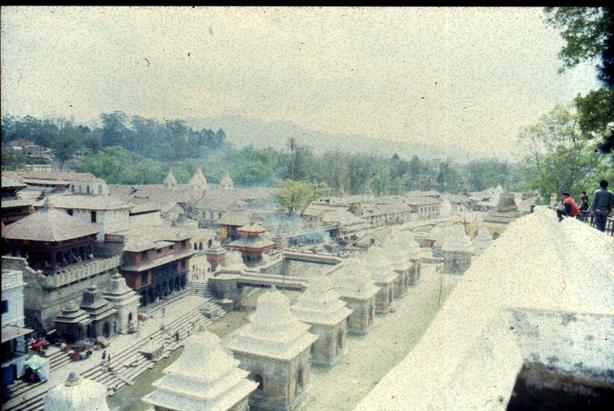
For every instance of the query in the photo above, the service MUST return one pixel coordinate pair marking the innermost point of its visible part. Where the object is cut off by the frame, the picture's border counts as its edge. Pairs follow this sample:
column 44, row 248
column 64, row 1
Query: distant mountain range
column 241, row 131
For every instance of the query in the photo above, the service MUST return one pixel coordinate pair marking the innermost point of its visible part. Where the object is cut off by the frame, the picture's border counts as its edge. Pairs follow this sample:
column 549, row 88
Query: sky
column 461, row 76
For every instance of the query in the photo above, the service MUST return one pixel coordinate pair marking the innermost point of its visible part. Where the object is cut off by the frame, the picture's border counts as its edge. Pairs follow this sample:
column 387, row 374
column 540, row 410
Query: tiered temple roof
column 354, row 281
column 320, row 303
column 48, row 225
column 204, row 377
column 273, row 331
column 71, row 314
column 505, row 212
column 95, row 305
column 77, row 394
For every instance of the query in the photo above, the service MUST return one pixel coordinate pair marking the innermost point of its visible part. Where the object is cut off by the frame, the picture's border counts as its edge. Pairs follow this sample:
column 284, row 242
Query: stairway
column 127, row 365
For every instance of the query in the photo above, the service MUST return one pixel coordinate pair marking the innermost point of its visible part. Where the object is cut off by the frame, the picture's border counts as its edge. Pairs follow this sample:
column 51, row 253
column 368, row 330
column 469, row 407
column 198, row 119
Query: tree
column 297, row 195
column 558, row 157
column 589, row 35
column 114, row 130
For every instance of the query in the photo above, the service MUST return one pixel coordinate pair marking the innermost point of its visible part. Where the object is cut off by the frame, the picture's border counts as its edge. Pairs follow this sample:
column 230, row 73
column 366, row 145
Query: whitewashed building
column 106, row 213
column 14, row 346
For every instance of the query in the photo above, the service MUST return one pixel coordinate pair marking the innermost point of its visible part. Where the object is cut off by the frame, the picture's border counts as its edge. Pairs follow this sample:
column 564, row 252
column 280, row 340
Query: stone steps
column 97, row 373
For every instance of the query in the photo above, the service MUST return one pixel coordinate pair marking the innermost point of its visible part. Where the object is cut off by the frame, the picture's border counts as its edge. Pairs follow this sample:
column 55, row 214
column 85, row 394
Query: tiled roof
column 87, row 202
column 61, row 175
column 11, row 183
column 48, row 225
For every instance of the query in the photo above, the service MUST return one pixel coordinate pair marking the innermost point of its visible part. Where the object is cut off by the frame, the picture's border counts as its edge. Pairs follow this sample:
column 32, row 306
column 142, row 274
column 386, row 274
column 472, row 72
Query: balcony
column 77, row 272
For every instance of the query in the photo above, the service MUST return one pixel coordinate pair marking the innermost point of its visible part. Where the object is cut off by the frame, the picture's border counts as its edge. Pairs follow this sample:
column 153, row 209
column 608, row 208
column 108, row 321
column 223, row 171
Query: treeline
column 138, row 150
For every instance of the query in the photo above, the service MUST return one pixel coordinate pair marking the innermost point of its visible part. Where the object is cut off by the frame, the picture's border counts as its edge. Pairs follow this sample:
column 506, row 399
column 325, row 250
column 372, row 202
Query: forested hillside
column 138, row 150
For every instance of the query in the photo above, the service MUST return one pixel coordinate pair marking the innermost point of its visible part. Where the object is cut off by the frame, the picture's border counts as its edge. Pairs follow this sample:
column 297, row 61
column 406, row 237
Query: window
column 143, row 255
column 5, row 306
column 69, row 212
column 143, row 279
column 159, row 250
column 172, row 247
column 92, row 216
column 87, row 189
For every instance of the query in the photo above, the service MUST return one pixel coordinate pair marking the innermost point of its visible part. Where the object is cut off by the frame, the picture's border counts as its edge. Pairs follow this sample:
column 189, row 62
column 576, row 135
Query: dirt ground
column 370, row 357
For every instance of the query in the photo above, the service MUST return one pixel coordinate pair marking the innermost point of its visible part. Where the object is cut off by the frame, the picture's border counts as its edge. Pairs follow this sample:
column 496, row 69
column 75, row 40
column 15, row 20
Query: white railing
column 80, row 271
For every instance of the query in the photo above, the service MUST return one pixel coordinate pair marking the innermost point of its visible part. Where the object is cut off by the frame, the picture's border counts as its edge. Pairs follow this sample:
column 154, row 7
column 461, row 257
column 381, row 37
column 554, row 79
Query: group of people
column 603, row 202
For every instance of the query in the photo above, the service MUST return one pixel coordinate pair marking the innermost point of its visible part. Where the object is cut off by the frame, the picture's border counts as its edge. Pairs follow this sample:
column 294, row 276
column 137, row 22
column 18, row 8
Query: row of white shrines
column 266, row 363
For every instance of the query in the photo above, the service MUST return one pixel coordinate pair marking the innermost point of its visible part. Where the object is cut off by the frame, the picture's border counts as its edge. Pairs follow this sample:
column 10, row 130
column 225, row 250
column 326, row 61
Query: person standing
column 603, row 201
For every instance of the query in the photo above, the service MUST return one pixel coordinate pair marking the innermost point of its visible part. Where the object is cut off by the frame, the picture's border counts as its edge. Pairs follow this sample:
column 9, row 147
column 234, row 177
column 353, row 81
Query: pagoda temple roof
column 252, row 243
column 48, row 225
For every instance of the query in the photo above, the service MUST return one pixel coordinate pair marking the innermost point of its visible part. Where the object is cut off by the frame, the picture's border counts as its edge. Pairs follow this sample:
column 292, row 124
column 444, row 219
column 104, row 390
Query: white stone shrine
column 353, row 282
column 275, row 348
column 322, row 308
column 77, row 394
column 385, row 278
column 203, row 378
column 125, row 301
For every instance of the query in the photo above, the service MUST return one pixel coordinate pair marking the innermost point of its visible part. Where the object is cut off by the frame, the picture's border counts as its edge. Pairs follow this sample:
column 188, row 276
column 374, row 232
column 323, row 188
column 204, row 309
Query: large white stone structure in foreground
column 533, row 313
column 77, row 394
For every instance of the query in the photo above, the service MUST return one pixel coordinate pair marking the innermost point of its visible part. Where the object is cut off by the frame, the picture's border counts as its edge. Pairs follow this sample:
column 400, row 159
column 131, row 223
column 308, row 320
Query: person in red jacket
column 568, row 206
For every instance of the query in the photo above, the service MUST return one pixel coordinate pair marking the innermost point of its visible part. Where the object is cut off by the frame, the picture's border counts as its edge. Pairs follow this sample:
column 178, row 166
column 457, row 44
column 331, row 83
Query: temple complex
column 321, row 307
column 77, row 394
column 125, row 301
column 204, row 378
column 275, row 348
column 198, row 180
column 385, row 278
column 482, row 241
column 497, row 220
column 456, row 250
column 251, row 244
column 59, row 250
column 353, row 282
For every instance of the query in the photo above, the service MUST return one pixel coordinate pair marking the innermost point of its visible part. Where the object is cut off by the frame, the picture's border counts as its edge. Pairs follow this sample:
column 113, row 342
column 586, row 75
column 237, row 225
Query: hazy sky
column 446, row 76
